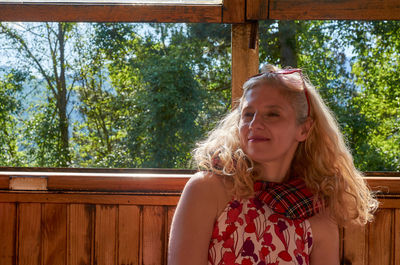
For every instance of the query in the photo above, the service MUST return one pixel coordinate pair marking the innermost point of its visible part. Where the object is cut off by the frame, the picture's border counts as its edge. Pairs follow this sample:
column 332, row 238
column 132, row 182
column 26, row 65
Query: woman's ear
column 305, row 130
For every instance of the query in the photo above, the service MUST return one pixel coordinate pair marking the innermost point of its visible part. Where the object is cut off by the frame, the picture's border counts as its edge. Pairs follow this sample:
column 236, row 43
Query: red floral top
column 248, row 232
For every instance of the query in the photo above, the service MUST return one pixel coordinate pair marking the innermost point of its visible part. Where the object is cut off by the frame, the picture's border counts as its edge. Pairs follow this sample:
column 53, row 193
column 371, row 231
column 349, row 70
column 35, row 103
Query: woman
column 277, row 181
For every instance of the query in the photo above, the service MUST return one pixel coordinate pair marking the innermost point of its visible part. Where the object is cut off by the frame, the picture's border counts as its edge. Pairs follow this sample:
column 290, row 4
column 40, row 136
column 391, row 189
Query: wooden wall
column 130, row 225
column 377, row 243
column 81, row 233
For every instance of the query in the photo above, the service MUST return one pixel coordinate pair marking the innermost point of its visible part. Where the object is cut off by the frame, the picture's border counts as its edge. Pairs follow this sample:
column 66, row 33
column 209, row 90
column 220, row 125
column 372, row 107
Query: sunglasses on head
column 288, row 72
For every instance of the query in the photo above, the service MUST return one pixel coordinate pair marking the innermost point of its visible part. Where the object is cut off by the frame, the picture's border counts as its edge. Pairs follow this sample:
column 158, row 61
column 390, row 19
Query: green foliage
column 377, row 69
column 41, row 136
column 164, row 128
column 157, row 93
column 10, row 85
column 135, row 96
column 41, row 49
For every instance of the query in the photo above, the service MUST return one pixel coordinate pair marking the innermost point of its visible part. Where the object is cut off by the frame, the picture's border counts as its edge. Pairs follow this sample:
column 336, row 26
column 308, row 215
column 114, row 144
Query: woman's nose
column 256, row 122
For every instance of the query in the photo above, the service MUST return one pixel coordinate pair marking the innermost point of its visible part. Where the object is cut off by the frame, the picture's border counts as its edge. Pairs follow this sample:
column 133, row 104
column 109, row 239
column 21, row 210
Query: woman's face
column 268, row 129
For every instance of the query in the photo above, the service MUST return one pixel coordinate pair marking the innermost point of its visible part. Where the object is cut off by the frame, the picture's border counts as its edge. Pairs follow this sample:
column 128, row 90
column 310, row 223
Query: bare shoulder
column 325, row 239
column 203, row 179
column 194, row 219
column 323, row 224
column 210, row 187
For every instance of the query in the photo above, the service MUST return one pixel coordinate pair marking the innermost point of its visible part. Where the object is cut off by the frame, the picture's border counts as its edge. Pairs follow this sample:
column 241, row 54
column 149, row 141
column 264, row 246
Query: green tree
column 11, row 85
column 376, row 69
column 95, row 137
column 155, row 84
column 209, row 46
column 142, row 96
column 42, row 49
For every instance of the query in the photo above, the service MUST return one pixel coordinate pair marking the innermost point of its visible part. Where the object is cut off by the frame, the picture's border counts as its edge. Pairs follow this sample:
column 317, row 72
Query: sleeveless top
column 249, row 232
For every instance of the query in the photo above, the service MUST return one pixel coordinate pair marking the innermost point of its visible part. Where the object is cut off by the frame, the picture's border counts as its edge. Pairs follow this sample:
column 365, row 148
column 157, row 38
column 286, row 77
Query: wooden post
column 257, row 10
column 244, row 59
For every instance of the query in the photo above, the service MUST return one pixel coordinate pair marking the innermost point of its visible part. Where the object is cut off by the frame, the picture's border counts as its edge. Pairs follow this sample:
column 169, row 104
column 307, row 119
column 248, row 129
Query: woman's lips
column 258, row 139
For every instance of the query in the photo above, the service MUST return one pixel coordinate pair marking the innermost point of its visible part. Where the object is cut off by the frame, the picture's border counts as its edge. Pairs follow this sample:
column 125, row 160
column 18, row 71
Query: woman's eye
column 273, row 114
column 248, row 115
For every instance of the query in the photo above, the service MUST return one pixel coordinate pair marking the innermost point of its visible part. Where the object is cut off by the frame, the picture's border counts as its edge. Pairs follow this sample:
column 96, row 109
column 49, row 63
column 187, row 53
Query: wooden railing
column 123, row 217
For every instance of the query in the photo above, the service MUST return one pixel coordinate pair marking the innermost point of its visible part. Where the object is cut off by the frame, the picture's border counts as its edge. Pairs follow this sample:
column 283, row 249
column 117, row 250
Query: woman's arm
column 193, row 221
column 325, row 248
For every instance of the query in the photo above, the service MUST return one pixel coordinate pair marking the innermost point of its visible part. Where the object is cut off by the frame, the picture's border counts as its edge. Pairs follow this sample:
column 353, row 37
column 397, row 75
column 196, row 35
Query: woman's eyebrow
column 263, row 107
column 273, row 107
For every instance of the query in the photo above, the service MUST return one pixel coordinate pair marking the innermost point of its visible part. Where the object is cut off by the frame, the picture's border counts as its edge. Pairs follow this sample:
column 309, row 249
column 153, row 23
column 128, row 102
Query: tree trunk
column 62, row 101
column 287, row 41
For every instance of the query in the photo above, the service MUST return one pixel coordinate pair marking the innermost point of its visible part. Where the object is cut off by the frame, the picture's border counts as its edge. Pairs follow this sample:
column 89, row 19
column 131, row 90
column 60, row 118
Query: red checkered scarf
column 291, row 199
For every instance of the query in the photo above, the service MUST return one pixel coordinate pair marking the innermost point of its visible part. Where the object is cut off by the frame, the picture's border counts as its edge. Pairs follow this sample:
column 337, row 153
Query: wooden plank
column 153, row 235
column 257, row 10
column 54, row 229
column 380, row 238
column 396, row 235
column 385, row 185
column 4, row 182
column 80, row 236
column 170, row 215
column 110, row 13
column 344, row 9
column 29, row 234
column 389, row 203
column 128, row 234
column 7, row 233
column 244, row 60
column 95, row 183
column 105, row 235
column 149, row 180
column 233, row 11
column 28, row 183
column 382, row 174
column 89, row 198
column 44, row 171
column 355, row 246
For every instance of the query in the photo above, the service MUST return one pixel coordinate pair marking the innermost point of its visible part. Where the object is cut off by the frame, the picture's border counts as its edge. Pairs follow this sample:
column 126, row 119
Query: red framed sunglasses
column 288, row 72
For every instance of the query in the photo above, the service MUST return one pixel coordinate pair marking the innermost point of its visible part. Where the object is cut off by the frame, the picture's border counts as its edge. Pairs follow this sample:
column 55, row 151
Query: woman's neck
column 278, row 172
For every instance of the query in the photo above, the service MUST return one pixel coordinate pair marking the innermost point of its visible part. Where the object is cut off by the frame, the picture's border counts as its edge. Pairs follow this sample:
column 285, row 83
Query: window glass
column 110, row 95
column 141, row 95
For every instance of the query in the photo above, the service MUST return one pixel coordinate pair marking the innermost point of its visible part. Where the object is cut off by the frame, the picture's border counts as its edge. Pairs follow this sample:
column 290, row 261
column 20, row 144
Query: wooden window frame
column 230, row 11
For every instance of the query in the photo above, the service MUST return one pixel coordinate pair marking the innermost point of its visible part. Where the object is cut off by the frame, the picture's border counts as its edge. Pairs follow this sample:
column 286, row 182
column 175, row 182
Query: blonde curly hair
column 323, row 160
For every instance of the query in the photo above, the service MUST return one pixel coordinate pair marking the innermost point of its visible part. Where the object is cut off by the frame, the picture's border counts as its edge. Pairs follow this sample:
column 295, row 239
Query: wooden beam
column 156, row 180
column 4, row 182
column 115, row 182
column 389, row 203
column 110, row 13
column 384, row 185
column 138, row 184
column 256, row 9
column 233, row 11
column 344, row 9
column 355, row 245
column 89, row 198
column 244, row 59
column 26, row 171
column 396, row 236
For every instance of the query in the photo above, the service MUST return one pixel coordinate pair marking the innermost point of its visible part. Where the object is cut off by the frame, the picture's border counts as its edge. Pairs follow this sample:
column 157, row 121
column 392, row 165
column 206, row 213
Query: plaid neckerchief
column 291, row 199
